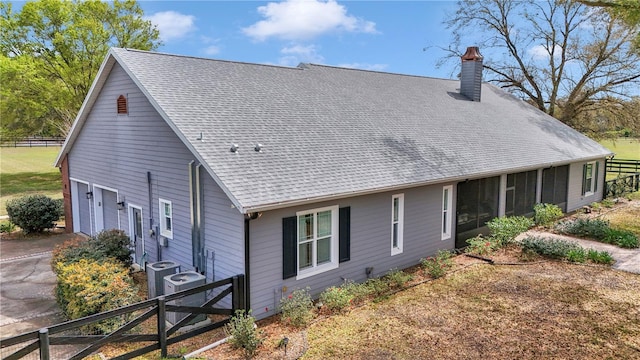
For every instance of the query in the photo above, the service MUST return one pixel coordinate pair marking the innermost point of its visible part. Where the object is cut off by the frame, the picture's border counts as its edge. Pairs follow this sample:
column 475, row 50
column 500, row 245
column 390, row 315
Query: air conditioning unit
column 184, row 281
column 155, row 276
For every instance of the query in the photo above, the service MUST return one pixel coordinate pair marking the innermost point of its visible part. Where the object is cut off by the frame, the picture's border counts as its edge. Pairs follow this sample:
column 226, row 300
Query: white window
column 166, row 219
column 397, row 223
column 446, row 212
column 589, row 178
column 317, row 241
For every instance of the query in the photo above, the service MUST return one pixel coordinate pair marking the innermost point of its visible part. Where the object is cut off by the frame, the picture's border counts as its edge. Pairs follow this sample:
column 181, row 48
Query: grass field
column 624, row 148
column 25, row 171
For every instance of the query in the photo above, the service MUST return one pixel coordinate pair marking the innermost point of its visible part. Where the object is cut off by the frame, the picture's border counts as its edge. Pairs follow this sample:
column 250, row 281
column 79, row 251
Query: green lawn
column 26, row 171
column 625, row 148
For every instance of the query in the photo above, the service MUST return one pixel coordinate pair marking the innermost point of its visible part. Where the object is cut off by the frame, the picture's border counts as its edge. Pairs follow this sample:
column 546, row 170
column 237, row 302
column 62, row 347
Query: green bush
column 297, row 308
column 621, row 238
column 87, row 287
column 397, row 278
column 481, row 245
column 599, row 257
column 243, row 333
column 546, row 214
column 108, row 244
column 439, row 265
column 578, row 255
column 336, row 298
column 505, row 229
column 7, row 227
column 553, row 248
column 34, row 213
column 584, row 227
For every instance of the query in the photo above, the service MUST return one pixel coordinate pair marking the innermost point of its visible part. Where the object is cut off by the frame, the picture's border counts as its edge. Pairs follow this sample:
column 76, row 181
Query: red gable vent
column 122, row 105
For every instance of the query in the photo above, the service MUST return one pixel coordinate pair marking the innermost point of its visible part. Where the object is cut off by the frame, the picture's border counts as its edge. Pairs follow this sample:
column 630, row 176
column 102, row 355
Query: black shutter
column 289, row 244
column 595, row 179
column 345, row 234
column 584, row 179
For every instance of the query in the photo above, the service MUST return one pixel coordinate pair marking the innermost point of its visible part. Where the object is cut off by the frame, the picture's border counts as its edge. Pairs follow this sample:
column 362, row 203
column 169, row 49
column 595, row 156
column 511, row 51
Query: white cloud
column 211, row 50
column 172, row 25
column 540, row 52
column 365, row 66
column 295, row 54
column 305, row 19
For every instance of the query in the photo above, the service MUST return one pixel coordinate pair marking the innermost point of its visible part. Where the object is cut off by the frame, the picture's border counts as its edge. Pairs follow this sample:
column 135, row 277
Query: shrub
column 554, row 248
column 622, row 238
column 7, row 227
column 336, row 298
column 584, row 227
column 480, row 245
column 33, row 213
column 599, row 257
column 87, row 287
column 108, row 244
column 397, row 278
column 608, row 203
column 243, row 333
column 577, row 255
column 297, row 308
column 439, row 265
column 505, row 229
column 546, row 214
column 595, row 206
column 371, row 288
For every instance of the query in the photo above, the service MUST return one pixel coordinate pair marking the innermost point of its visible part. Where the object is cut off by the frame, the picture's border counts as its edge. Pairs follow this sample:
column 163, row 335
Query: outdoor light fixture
column 89, row 195
column 121, row 205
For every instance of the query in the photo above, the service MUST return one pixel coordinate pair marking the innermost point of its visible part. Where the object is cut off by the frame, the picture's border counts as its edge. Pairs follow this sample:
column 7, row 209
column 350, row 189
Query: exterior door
column 135, row 231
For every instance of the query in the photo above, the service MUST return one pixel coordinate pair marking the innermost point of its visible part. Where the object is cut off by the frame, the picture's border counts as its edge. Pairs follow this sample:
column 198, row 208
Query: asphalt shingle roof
column 331, row 132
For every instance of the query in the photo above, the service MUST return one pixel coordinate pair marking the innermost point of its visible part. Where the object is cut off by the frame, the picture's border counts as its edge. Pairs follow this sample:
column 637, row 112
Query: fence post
column 162, row 326
column 43, row 336
column 235, row 299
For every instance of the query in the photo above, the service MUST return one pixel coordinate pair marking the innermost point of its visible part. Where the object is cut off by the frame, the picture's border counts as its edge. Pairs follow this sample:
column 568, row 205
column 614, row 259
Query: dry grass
column 543, row 310
column 626, row 217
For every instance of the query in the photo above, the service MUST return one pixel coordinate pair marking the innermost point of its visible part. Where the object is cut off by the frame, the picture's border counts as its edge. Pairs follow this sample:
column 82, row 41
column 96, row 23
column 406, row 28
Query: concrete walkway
column 626, row 259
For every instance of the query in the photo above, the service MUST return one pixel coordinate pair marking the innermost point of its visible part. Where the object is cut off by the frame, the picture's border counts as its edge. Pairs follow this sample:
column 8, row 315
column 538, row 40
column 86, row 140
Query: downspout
column 202, row 265
column 152, row 233
column 247, row 263
column 192, row 215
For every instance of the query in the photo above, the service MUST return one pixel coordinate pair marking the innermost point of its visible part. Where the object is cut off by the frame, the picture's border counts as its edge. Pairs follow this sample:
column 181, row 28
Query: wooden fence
column 35, row 141
column 622, row 185
column 70, row 333
column 621, row 166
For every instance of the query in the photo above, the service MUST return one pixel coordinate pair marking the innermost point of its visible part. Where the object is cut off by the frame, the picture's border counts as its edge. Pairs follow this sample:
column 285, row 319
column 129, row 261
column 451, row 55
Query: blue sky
column 394, row 36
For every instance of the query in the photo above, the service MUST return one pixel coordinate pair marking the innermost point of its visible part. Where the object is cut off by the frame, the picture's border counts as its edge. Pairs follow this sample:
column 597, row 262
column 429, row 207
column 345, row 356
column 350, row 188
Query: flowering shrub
column 108, row 244
column 480, row 245
column 439, row 265
column 297, row 308
column 336, row 298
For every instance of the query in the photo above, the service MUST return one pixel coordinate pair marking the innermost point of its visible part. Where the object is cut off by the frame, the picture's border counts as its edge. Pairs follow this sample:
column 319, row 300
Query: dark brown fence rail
column 622, row 185
column 130, row 318
column 35, row 141
column 622, row 166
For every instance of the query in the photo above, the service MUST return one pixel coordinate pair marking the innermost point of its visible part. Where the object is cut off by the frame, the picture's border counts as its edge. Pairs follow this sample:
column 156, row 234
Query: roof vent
column 234, row 148
column 471, row 74
column 258, row 147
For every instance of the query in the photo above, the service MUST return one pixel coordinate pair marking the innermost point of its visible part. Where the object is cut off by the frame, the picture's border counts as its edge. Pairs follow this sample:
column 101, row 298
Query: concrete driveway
column 27, row 301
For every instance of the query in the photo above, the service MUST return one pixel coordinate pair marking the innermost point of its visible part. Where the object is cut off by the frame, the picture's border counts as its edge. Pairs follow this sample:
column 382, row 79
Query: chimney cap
column 472, row 54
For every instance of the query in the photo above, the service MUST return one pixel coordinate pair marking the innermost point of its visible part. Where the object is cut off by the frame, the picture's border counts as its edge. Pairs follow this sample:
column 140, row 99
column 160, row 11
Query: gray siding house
column 311, row 175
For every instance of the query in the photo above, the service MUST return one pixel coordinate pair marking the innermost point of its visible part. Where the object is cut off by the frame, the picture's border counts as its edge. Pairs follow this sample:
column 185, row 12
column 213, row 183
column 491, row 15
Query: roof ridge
column 306, row 66
column 209, row 59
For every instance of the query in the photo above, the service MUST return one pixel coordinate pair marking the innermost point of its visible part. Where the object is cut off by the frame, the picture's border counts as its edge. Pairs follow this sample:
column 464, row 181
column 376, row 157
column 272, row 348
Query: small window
column 446, row 212
column 122, row 105
column 589, row 178
column 397, row 223
column 166, row 219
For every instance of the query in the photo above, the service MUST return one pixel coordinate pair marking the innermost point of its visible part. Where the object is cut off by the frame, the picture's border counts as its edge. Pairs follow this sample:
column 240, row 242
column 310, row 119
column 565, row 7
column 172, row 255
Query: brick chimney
column 471, row 74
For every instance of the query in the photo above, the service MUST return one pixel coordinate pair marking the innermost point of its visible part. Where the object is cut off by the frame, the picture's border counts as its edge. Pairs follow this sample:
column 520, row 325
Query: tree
column 569, row 60
column 50, row 52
